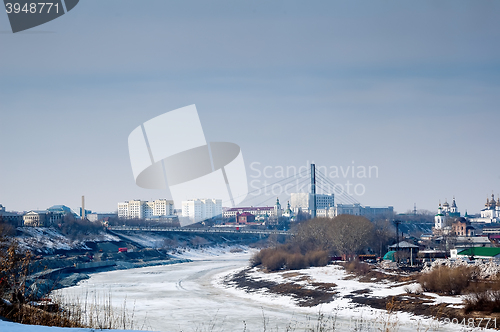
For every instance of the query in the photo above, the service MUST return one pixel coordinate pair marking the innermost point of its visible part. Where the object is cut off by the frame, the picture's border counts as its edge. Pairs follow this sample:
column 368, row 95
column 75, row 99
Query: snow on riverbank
column 15, row 327
column 47, row 240
column 197, row 295
column 342, row 305
column 210, row 252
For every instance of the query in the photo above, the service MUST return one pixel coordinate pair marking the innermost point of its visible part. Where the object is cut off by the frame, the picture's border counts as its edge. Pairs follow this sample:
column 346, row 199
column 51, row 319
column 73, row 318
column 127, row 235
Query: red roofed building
column 245, row 218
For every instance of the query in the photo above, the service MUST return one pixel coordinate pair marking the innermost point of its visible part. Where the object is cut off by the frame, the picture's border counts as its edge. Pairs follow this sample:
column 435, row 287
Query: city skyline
column 409, row 88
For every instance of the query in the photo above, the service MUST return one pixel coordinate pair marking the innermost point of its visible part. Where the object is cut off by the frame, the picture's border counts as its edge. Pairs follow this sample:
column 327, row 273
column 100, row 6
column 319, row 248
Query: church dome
column 453, row 204
column 493, row 203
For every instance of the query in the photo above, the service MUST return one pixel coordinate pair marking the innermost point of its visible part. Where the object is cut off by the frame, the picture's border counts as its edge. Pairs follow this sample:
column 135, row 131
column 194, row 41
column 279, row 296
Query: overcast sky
column 410, row 87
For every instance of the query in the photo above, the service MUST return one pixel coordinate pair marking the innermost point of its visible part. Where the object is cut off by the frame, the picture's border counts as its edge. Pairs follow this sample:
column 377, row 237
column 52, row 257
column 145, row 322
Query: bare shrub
column 317, row 258
column 274, row 260
column 483, row 296
column 170, row 244
column 14, row 269
column 358, row 268
column 77, row 229
column 256, row 258
column 198, row 241
column 6, row 228
column 446, row 280
column 295, row 261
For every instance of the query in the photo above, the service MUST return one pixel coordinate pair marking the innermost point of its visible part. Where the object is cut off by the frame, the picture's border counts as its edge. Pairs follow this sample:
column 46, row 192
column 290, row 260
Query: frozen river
column 182, row 297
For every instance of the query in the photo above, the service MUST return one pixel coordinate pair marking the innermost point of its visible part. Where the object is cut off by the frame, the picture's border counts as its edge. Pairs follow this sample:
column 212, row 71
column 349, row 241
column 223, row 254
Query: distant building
column 445, row 214
column 278, row 212
column 493, row 229
column 87, row 212
column 462, row 227
column 201, row 209
column 42, row 218
column 288, row 213
column 137, row 209
column 325, row 207
column 304, row 201
column 475, row 252
column 258, row 211
column 245, row 218
column 61, row 209
column 356, row 210
column 261, row 212
column 95, row 216
column 13, row 218
column 490, row 213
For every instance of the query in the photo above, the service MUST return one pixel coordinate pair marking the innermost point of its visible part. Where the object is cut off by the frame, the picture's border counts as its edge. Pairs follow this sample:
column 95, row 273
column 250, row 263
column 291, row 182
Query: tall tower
column 277, row 208
column 453, row 208
column 83, row 208
column 439, row 218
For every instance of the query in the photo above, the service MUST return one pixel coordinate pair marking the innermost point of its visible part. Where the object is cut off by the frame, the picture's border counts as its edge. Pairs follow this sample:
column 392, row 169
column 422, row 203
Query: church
column 491, row 211
column 445, row 213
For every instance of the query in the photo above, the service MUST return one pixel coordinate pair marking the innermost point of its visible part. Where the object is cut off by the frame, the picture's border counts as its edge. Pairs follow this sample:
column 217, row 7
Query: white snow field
column 193, row 297
column 14, row 327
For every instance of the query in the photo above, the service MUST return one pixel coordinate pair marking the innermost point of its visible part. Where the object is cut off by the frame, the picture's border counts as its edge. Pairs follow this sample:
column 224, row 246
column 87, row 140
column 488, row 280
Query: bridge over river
column 200, row 230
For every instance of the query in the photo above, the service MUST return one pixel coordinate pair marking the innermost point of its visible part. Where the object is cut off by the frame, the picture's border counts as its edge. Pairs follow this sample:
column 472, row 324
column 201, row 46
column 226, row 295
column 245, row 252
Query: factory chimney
column 83, row 208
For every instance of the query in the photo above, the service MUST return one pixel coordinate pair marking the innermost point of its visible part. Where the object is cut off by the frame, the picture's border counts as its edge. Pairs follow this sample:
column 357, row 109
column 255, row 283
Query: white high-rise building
column 201, row 209
column 123, row 210
column 304, row 201
column 325, row 207
column 138, row 209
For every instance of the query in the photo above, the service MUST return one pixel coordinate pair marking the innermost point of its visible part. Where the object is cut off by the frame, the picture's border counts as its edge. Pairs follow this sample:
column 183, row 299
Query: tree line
column 318, row 239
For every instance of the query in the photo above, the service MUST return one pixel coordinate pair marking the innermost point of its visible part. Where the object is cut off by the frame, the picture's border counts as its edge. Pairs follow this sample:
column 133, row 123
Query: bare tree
column 383, row 235
column 351, row 234
column 345, row 234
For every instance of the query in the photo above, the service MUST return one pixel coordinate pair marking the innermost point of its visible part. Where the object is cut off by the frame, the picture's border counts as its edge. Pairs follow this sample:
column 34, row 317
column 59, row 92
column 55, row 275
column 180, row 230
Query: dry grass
column 358, row 268
column 446, row 280
column 29, row 314
column 284, row 257
column 483, row 296
column 19, row 304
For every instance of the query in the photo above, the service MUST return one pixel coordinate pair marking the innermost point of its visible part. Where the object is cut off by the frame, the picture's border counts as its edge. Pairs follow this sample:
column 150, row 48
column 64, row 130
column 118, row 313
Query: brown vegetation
column 20, row 305
column 446, row 280
column 483, row 296
column 6, row 228
column 305, row 295
column 288, row 257
column 77, row 229
column 318, row 239
column 345, row 234
column 358, row 268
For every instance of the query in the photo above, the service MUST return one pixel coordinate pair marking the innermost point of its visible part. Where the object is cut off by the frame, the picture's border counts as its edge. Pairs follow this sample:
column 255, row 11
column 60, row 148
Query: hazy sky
column 409, row 87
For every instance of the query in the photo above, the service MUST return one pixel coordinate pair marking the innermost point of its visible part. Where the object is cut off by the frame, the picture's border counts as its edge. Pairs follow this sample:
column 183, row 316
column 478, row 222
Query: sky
column 410, row 89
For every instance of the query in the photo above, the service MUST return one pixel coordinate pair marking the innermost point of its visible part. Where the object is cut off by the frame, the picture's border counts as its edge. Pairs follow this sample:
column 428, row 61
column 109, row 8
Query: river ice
column 187, row 297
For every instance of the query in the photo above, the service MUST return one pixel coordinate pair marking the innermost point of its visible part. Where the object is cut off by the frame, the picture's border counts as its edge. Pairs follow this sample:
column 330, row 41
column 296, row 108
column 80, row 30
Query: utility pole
column 397, row 222
column 313, row 190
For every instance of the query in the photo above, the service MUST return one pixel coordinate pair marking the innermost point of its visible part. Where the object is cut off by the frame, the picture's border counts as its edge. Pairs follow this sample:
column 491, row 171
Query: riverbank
column 198, row 296
column 41, row 283
column 60, row 262
column 57, row 278
column 388, row 299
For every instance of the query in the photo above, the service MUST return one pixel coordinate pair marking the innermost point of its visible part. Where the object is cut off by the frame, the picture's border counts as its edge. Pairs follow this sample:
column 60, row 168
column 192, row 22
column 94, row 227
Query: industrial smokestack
column 83, row 207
